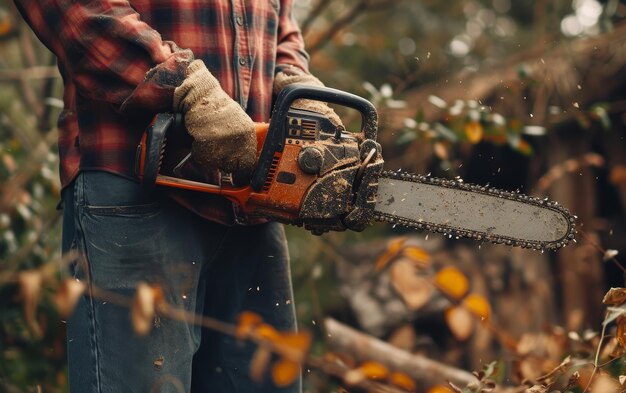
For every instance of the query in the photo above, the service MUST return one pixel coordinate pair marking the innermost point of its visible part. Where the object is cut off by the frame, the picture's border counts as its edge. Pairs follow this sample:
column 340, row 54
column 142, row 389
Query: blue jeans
column 203, row 267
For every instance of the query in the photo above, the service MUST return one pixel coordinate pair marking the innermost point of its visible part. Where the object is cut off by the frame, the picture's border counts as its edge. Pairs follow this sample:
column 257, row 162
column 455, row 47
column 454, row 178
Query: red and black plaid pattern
column 121, row 61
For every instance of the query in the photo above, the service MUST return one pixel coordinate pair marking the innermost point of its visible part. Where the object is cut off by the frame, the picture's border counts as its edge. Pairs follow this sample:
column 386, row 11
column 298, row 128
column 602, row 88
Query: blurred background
column 522, row 95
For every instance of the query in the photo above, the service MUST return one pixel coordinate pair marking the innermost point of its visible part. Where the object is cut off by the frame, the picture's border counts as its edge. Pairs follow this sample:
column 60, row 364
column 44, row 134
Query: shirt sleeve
column 108, row 52
column 290, row 49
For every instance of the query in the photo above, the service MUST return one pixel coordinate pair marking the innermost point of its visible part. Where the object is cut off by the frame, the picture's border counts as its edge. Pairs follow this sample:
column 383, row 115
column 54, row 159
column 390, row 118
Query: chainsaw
column 314, row 174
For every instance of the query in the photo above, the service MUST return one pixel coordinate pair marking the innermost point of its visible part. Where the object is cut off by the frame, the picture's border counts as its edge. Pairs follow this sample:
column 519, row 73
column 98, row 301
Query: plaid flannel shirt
column 121, row 61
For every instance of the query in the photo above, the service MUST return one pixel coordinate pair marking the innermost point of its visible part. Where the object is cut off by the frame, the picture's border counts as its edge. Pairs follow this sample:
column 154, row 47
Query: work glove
column 223, row 134
column 289, row 75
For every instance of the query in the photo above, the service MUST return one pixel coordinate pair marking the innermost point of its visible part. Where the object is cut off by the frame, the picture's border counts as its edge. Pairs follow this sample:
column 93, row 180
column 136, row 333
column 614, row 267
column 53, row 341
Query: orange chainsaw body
column 309, row 172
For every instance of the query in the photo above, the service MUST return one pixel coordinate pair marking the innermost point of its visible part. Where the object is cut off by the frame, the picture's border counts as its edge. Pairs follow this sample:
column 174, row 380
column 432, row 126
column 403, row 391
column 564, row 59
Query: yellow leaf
column 440, row 389
column 393, row 248
column 414, row 289
column 374, row 370
column 460, row 322
column 477, row 305
column 5, row 26
column 267, row 332
column 67, row 296
column 474, row 131
column 452, row 282
column 403, row 381
column 258, row 364
column 30, row 283
column 418, row 255
column 247, row 321
column 284, row 372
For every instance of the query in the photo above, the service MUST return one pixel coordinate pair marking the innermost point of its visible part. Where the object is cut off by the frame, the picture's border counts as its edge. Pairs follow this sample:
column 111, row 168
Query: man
column 122, row 63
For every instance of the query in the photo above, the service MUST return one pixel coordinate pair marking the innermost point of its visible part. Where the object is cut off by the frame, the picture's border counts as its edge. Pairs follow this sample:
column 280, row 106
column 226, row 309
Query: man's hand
column 223, row 134
column 291, row 75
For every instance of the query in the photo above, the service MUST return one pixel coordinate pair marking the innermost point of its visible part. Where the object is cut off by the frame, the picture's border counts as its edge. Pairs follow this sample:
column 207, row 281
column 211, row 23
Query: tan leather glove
column 291, row 75
column 223, row 134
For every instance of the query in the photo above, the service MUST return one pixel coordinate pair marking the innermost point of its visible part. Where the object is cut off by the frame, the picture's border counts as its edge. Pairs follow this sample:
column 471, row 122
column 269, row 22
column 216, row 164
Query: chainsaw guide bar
column 457, row 209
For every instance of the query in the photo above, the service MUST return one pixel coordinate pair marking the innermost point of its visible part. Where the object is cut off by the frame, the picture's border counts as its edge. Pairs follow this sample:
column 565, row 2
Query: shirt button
column 242, row 61
column 239, row 20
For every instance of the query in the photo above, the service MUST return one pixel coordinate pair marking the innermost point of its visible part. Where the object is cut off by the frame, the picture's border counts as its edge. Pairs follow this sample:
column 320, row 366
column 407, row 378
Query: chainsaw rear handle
column 148, row 160
column 275, row 140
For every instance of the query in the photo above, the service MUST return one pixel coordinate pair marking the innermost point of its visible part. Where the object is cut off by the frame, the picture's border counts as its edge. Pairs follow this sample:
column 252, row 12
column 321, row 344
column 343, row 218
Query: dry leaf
column 620, row 334
column 258, row 364
column 441, row 151
column 267, row 332
column 537, row 389
column 284, row 372
column 622, row 379
column 30, row 291
column 247, row 321
column 474, row 132
column 404, row 381
column 615, row 296
column 374, row 370
column 393, row 248
column 477, row 305
column 340, row 358
column 353, row 377
column 603, row 383
column 414, row 289
column 403, row 337
column 296, row 344
column 460, row 322
column 419, row 256
column 144, row 307
column 440, row 389
column 618, row 175
column 67, row 296
column 452, row 282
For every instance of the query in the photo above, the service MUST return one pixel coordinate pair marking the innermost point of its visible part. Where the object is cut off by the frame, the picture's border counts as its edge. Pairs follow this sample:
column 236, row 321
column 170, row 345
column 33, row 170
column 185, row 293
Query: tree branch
column 589, row 69
column 359, row 8
column 342, row 338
